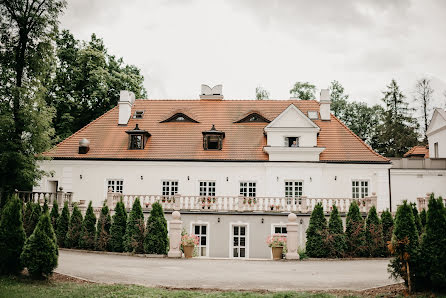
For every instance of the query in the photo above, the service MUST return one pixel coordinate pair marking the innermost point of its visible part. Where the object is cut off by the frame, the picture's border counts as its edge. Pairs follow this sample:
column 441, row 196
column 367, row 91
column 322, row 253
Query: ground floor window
column 248, row 189
column 201, row 231
column 170, row 188
column 115, row 184
column 279, row 229
column 360, row 189
column 239, row 241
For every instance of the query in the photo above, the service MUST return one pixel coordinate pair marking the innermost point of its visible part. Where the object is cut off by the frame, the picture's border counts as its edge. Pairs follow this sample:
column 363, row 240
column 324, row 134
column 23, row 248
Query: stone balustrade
column 423, row 202
column 40, row 196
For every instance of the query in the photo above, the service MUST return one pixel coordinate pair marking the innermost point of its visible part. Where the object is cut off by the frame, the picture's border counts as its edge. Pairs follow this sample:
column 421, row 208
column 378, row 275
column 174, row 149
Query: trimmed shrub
column 404, row 245
column 156, row 241
column 387, row 226
column 30, row 222
column 118, row 228
column 134, row 234
column 27, row 211
column 63, row 222
column 317, row 234
column 417, row 218
column 54, row 215
column 12, row 236
column 88, row 234
column 103, row 230
column 74, row 229
column 40, row 253
column 336, row 237
column 355, row 232
column 423, row 217
column 431, row 265
column 45, row 207
column 374, row 234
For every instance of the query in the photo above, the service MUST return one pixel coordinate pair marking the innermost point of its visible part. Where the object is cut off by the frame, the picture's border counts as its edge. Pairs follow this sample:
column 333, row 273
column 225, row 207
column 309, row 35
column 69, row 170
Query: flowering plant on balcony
column 189, row 240
column 249, row 201
column 276, row 240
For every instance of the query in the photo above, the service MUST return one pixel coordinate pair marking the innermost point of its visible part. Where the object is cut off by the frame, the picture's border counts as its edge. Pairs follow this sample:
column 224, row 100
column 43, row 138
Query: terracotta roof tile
column 418, row 151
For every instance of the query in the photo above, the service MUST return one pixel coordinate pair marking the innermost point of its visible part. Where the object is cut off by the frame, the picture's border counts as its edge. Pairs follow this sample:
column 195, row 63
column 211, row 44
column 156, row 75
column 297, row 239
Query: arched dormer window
column 213, row 139
column 253, row 117
column 179, row 117
column 137, row 138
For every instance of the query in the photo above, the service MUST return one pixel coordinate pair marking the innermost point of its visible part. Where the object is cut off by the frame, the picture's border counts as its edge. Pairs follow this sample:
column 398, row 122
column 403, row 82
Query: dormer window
column 179, row 117
column 292, row 142
column 253, row 117
column 137, row 138
column 138, row 114
column 213, row 139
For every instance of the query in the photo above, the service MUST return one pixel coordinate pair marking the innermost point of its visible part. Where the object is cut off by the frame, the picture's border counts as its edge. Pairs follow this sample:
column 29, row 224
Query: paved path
column 225, row 274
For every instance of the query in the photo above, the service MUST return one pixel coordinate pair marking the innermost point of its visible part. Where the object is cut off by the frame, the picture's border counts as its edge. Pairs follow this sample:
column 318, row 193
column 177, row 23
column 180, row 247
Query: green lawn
column 23, row 287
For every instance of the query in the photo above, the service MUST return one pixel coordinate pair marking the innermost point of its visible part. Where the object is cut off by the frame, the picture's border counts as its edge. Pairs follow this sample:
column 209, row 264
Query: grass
column 24, row 287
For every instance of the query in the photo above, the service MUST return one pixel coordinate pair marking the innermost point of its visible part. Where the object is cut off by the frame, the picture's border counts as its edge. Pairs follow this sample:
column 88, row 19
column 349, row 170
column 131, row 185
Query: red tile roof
column 418, row 151
column 184, row 141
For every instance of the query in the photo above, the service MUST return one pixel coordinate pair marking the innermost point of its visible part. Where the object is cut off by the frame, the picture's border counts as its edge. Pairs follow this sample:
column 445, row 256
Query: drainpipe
column 390, row 192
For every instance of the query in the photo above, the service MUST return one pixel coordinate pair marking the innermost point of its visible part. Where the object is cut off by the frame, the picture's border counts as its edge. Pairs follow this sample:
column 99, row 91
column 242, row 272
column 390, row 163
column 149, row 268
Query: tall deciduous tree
column 338, row 99
column 303, row 91
column 27, row 29
column 423, row 98
column 261, row 93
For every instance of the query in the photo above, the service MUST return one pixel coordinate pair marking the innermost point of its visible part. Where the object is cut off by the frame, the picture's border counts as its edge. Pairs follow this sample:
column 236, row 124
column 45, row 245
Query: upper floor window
column 116, row 185
column 207, row 188
column 213, row 139
column 360, row 189
column 170, row 187
column 179, row 117
column 136, row 142
column 138, row 114
column 253, row 117
column 293, row 190
column 248, row 189
column 292, row 141
column 137, row 138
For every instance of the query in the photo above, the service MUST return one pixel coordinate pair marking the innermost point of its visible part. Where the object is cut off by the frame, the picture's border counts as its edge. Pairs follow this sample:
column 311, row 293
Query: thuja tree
column 354, row 232
column 74, row 229
column 54, row 215
column 62, row 225
column 118, row 228
column 387, row 225
column 45, row 207
column 374, row 234
column 317, row 233
column 423, row 217
column 404, row 245
column 103, row 230
column 134, row 234
column 27, row 211
column 156, row 241
column 40, row 253
column 88, row 234
column 336, row 237
column 417, row 218
column 31, row 222
column 431, row 264
column 12, row 236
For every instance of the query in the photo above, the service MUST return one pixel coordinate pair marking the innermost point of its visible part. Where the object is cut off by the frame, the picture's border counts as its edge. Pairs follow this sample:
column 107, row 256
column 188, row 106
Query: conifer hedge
column 134, row 234
column 374, row 234
column 74, row 229
column 156, row 241
column 423, row 217
column 54, row 215
column 88, row 234
column 317, row 234
column 31, row 220
column 355, row 232
column 12, row 236
column 336, row 237
column 103, row 230
column 63, row 223
column 118, row 228
column 387, row 225
column 417, row 218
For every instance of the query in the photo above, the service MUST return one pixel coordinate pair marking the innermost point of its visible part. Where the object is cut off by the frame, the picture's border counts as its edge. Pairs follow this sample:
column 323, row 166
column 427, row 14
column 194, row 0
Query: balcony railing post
column 60, row 197
column 176, row 204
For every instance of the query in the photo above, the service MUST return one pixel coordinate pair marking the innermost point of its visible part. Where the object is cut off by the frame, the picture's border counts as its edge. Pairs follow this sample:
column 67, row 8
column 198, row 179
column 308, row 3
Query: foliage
column 134, row 234
column 88, row 234
column 74, row 229
column 118, row 228
column 423, row 99
column 45, row 207
column 261, row 93
column 27, row 29
column 387, row 225
column 12, row 236
column 423, row 217
column 317, row 233
column 354, row 232
column 303, row 91
column 190, row 240
column 40, row 252
column 156, row 240
column 31, row 218
column 338, row 98
column 404, row 245
column 63, row 223
column 417, row 218
column 103, row 230
column 431, row 264
column 336, row 243
column 374, row 235
column 54, row 215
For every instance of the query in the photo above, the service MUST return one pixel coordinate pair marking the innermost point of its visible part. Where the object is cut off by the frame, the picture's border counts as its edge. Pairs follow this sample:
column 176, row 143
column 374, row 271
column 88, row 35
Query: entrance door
column 201, row 232
column 52, row 186
column 239, row 241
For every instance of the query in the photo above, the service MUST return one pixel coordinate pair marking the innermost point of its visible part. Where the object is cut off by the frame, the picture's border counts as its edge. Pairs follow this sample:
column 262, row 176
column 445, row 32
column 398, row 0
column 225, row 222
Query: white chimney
column 126, row 100
column 325, row 102
column 215, row 92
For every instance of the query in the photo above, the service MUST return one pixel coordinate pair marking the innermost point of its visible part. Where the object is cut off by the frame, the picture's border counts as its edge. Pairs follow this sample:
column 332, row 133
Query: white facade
column 436, row 134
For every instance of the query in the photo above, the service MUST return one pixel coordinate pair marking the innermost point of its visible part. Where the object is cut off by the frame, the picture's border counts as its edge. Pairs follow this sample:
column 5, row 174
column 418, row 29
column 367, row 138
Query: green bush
column 45, row 207
column 88, row 233
column 387, row 225
column 374, row 234
column 118, row 228
column 156, row 241
column 355, row 232
column 40, row 253
column 404, row 244
column 134, row 235
column 12, row 236
column 63, row 222
column 74, row 229
column 417, row 218
column 103, row 230
column 431, row 264
column 336, row 237
column 30, row 222
column 317, row 234
column 54, row 215
column 423, row 217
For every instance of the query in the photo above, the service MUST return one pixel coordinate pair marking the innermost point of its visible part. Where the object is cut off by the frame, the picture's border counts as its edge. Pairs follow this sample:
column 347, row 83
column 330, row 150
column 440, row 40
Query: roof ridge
column 226, row 100
column 364, row 143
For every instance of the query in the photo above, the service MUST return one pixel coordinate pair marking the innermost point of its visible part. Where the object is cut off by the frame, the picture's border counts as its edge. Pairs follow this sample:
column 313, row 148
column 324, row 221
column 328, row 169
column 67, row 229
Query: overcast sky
column 180, row 44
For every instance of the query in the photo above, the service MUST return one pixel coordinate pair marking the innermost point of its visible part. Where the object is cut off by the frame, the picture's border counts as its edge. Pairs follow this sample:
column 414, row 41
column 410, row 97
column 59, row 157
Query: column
column 292, row 244
column 175, row 226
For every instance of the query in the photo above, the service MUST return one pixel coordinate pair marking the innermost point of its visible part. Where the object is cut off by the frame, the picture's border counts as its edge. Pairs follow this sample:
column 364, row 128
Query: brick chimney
column 126, row 100
column 325, row 102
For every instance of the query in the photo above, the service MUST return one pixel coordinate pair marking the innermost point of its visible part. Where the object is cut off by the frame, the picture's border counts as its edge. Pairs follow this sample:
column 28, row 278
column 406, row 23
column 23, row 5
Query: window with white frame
column 248, row 189
column 115, row 184
column 279, row 229
column 170, row 187
column 239, row 241
column 360, row 189
column 293, row 190
column 207, row 188
column 201, row 231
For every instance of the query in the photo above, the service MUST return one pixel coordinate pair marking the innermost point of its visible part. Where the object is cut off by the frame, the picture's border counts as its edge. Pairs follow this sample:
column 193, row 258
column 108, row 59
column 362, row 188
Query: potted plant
column 272, row 207
column 188, row 242
column 277, row 244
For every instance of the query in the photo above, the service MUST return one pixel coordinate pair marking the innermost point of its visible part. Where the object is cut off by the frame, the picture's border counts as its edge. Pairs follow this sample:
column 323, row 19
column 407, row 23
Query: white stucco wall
column 319, row 178
column 440, row 138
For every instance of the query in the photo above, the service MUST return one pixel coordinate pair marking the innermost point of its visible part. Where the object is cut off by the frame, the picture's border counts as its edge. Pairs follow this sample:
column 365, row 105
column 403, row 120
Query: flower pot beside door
column 277, row 252
column 277, row 242
column 188, row 251
column 188, row 243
